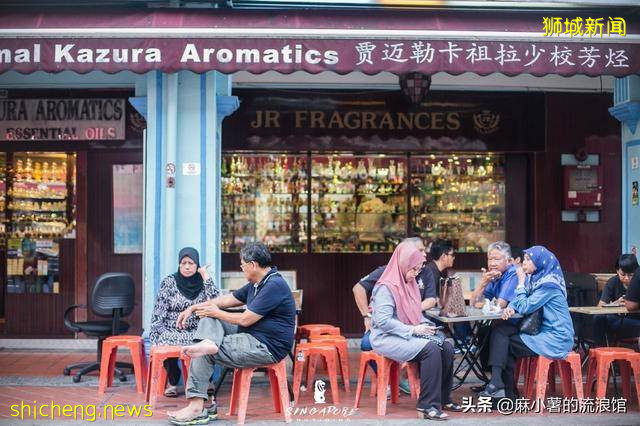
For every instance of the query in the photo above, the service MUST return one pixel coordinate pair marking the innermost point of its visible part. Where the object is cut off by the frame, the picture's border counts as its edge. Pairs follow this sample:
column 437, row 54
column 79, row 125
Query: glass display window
column 264, row 198
column 460, row 197
column 39, row 211
column 358, row 202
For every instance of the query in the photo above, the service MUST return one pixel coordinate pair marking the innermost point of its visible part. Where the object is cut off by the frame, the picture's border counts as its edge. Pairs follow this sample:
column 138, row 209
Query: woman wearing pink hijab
column 399, row 331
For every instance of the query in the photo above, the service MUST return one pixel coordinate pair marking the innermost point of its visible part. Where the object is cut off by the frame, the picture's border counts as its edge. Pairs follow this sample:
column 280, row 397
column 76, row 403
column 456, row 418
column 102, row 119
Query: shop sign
column 375, row 121
column 369, row 56
column 62, row 119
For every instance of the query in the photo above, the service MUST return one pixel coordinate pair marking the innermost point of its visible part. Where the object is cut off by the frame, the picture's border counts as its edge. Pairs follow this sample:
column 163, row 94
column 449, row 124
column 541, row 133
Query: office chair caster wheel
column 77, row 378
column 122, row 378
column 67, row 372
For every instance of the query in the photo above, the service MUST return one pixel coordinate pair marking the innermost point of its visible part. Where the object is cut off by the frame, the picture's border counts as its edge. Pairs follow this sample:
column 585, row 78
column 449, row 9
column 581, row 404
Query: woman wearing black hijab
column 190, row 285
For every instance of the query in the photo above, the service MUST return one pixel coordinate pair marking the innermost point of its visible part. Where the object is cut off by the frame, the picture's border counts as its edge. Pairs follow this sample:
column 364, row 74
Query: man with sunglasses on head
column 362, row 294
column 262, row 334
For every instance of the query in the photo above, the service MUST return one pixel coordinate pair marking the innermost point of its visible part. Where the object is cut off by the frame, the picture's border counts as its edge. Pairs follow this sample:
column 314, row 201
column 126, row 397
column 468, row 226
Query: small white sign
column 573, row 194
column 190, row 169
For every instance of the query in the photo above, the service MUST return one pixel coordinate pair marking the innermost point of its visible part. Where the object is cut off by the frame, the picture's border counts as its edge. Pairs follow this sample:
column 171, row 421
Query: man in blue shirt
column 262, row 334
column 498, row 282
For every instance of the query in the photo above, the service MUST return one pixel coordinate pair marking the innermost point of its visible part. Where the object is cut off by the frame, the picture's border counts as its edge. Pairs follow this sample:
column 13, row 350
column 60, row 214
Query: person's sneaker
column 197, row 419
column 457, row 351
column 405, row 388
column 212, row 410
column 171, row 391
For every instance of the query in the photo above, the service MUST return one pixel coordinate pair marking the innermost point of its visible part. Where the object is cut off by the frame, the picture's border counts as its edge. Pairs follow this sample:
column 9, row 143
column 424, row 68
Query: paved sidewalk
column 36, row 378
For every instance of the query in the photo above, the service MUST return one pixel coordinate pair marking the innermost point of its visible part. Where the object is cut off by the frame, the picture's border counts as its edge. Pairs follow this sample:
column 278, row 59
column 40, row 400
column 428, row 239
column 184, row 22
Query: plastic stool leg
column 542, row 376
column 245, row 387
column 591, row 374
column 603, row 376
column 138, row 366
column 298, row 368
column 362, row 372
column 331, row 359
column 275, row 393
column 105, row 362
column 576, row 372
column 382, row 382
column 625, row 374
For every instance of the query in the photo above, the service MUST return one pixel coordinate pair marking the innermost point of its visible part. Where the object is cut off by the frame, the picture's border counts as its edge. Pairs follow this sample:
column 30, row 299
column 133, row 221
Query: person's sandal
column 171, row 391
column 452, row 406
column 493, row 392
column 432, row 414
column 197, row 419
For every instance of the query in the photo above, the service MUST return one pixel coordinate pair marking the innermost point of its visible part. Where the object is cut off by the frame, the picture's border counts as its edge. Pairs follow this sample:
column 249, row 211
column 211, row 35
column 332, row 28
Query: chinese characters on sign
column 589, row 27
column 501, row 54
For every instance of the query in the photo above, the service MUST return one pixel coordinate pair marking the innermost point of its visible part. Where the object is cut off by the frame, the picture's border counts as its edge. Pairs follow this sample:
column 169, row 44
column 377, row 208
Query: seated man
column 615, row 326
column 433, row 275
column 499, row 281
column 264, row 334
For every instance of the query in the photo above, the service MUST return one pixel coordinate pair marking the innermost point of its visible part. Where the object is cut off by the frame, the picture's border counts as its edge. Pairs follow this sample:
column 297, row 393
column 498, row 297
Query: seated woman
column 540, row 286
column 400, row 332
column 613, row 327
column 190, row 285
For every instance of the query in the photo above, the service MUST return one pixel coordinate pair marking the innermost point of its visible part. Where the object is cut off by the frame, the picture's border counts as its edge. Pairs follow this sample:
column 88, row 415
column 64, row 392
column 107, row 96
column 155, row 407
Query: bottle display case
column 361, row 203
column 358, row 203
column 459, row 197
column 39, row 211
column 264, row 198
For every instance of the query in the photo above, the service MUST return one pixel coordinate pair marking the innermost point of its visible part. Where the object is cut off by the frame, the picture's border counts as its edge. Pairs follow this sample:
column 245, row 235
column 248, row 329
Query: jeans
column 614, row 327
column 365, row 346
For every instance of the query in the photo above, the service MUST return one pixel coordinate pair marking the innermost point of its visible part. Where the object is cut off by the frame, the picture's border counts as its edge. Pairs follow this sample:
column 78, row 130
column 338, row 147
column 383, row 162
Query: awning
column 483, row 42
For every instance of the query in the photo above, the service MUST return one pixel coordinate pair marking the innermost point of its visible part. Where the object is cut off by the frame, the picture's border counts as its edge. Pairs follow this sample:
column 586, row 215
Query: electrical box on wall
column 582, row 193
column 582, row 187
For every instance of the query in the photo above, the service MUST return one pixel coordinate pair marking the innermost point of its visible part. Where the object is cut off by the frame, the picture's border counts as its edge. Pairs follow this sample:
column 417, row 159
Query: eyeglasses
column 243, row 264
column 452, row 254
column 625, row 275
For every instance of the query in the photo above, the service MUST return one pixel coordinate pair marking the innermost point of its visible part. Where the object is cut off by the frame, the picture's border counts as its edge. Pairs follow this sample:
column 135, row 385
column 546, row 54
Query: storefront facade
column 188, row 159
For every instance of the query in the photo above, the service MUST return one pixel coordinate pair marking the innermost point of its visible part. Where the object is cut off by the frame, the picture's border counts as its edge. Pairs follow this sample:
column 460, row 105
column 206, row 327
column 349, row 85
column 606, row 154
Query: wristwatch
column 368, row 315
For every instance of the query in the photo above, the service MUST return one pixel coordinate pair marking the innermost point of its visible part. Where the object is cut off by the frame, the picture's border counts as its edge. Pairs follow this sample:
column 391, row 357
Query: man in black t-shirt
column 618, row 290
column 264, row 334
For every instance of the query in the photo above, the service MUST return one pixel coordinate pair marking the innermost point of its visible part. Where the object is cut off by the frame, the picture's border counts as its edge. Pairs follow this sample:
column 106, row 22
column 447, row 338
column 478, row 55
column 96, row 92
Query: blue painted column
column 627, row 109
column 182, row 158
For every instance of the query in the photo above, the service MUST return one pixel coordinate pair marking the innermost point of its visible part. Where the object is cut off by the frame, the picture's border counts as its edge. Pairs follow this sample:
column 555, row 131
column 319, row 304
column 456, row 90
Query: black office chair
column 113, row 297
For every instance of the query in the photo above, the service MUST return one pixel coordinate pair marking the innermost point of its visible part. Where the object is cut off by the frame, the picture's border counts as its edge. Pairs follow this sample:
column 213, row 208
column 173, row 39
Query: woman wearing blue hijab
column 540, row 286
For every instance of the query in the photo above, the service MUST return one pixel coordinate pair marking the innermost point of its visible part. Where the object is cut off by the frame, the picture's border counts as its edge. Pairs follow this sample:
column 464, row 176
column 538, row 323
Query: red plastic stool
column 539, row 370
column 305, row 331
column 242, row 385
column 599, row 361
column 157, row 379
column 340, row 343
column 310, row 351
column 388, row 374
column 413, row 374
column 110, row 345
column 527, row 366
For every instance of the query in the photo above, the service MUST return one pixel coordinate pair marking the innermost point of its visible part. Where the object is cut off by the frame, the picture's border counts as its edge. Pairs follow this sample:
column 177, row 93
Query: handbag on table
column 452, row 299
